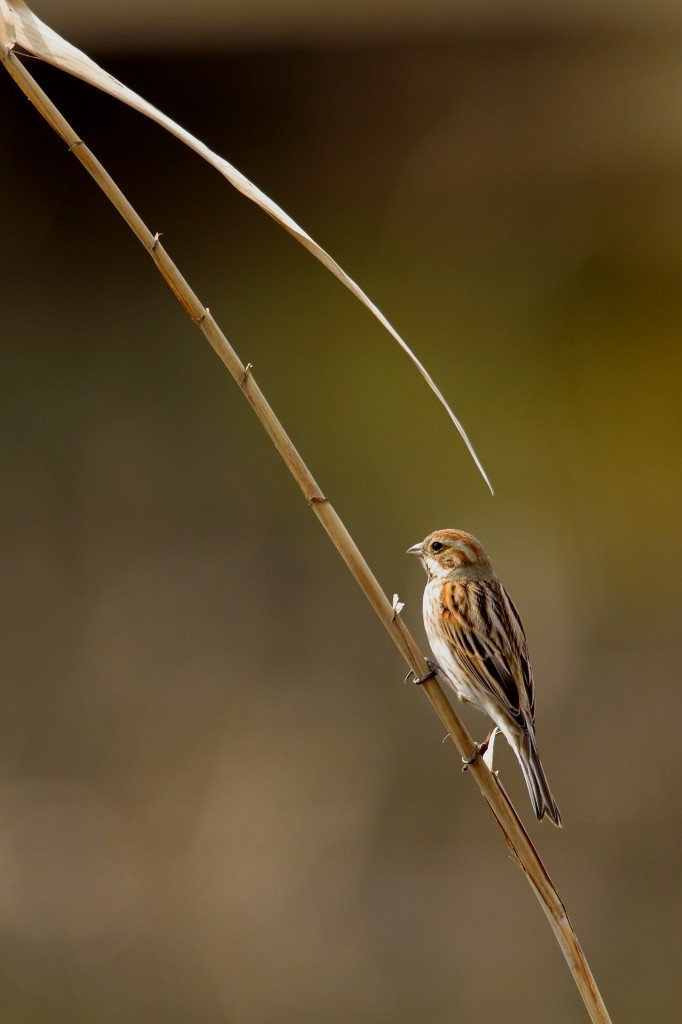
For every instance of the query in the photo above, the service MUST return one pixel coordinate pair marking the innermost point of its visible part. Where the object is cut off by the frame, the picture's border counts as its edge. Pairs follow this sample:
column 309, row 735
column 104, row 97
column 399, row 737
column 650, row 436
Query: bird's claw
column 479, row 751
column 433, row 671
column 431, row 674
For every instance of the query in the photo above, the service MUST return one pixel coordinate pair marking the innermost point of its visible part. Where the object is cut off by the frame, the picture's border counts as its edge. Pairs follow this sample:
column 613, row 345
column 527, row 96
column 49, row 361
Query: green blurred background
column 218, row 802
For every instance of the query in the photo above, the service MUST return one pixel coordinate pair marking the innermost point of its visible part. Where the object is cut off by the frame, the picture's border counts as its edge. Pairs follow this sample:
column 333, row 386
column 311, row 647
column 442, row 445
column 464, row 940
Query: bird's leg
column 433, row 671
column 479, row 751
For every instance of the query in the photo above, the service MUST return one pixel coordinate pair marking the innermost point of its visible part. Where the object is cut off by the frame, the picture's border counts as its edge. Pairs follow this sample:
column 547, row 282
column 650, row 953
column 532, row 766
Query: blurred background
column 217, row 799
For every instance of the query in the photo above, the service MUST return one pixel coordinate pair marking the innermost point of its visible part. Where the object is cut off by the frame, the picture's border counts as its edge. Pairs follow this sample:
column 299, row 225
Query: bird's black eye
column 436, row 545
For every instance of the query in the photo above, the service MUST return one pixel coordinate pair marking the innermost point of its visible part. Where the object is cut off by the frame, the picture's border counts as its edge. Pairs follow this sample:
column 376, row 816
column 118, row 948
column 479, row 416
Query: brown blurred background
column 218, row 802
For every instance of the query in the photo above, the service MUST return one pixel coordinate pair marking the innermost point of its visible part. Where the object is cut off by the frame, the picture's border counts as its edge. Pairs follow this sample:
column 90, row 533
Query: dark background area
column 217, row 799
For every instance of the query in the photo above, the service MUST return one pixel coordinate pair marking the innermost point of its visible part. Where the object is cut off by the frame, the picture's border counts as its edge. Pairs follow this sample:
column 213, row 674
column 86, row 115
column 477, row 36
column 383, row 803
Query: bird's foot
column 479, row 751
column 433, row 671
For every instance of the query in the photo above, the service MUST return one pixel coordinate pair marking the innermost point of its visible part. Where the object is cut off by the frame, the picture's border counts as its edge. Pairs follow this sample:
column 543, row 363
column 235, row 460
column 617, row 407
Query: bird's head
column 448, row 553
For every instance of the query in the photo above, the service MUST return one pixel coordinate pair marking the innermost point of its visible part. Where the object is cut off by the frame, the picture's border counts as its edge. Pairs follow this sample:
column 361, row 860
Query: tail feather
column 541, row 798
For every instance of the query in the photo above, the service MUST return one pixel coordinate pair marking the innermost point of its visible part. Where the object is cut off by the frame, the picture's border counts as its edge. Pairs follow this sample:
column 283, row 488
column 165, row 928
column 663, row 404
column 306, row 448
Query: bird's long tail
column 536, row 780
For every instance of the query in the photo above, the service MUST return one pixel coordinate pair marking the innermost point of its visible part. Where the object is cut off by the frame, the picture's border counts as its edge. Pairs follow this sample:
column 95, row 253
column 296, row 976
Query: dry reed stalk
column 514, row 833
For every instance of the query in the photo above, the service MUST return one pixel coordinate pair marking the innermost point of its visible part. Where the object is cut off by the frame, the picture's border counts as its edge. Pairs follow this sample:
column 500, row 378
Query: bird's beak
column 416, row 549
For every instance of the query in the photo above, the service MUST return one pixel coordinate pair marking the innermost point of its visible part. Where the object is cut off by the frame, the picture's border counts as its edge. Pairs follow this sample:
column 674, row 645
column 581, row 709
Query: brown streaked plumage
column 478, row 640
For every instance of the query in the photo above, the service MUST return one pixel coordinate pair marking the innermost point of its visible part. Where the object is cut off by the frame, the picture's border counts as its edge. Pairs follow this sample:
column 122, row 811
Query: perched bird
column 477, row 638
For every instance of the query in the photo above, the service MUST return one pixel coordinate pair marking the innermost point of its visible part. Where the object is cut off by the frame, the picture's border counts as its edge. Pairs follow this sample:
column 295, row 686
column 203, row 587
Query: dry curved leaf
column 20, row 27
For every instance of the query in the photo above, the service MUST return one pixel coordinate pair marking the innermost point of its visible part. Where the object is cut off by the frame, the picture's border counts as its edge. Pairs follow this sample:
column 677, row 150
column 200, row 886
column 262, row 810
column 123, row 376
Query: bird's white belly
column 452, row 670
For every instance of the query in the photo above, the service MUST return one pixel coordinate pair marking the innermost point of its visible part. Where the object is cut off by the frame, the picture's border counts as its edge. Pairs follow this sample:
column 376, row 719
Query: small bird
column 477, row 638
